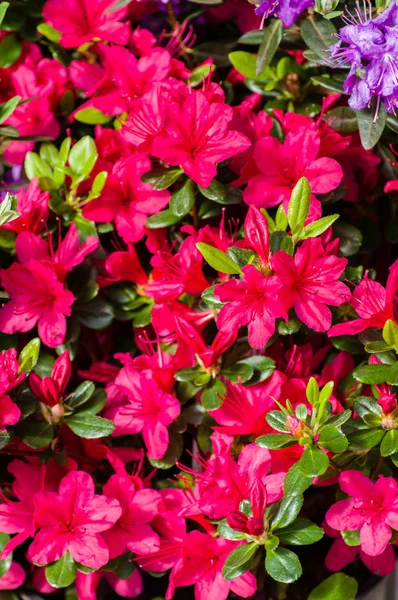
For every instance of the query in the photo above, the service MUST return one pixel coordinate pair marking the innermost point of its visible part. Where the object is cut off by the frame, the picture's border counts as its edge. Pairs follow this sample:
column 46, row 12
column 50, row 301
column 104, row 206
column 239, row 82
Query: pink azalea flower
column 148, row 410
column 281, row 165
column 127, row 200
column 36, row 297
column 14, row 578
column 87, row 583
column 373, row 303
column 72, row 520
column 32, row 204
column 372, row 509
column 80, row 21
column 310, row 282
column 340, row 555
column 9, row 412
column 131, row 531
column 243, row 409
column 16, row 516
column 197, row 137
column 253, row 301
column 68, row 254
column 202, row 561
column 253, row 525
column 123, row 266
column 9, row 370
column 49, row 390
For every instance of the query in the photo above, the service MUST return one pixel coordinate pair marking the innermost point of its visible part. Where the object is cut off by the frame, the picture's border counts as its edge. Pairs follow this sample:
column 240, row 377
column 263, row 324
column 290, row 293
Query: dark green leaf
column 35, row 434
column 363, row 440
column 238, row 561
column 372, row 374
column 288, row 510
column 283, row 565
column 329, row 83
column 370, row 127
column 215, row 191
column 240, row 371
column 274, row 441
column 251, row 38
column 319, row 35
column 272, row 37
column 161, row 179
column 343, row 119
column 350, row 242
column 313, row 462
column 389, row 445
column 364, row 405
column 162, row 219
column 211, row 397
column 339, row 419
column 277, row 419
column 218, row 259
column 82, row 393
column 10, row 50
column 97, row 314
column 90, row 426
column 332, row 439
column 336, row 586
column 240, row 256
column 183, row 200
column 95, row 404
column 300, row 533
column 61, row 573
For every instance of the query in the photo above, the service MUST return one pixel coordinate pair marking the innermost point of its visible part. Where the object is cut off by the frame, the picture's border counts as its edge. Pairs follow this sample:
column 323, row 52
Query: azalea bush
column 199, row 314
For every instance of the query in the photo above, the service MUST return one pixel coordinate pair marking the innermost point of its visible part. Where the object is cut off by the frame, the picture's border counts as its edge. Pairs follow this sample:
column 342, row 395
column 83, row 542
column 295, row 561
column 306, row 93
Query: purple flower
column 370, row 48
column 286, row 10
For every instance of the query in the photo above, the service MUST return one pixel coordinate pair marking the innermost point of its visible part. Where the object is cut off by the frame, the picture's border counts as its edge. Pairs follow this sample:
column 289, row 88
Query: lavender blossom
column 370, row 47
column 286, row 10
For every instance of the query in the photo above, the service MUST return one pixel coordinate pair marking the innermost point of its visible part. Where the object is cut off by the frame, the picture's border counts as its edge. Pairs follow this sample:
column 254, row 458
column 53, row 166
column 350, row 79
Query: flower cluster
column 199, row 299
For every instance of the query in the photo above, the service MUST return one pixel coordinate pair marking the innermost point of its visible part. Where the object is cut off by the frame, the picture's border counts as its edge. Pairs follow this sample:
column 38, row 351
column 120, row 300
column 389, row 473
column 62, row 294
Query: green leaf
column 274, row 441
column 370, row 128
column 389, row 445
column 3, row 10
column 342, row 119
column 35, row 434
column 240, row 256
column 313, row 462
column 299, row 204
column 372, row 374
column 164, row 218
column 36, row 167
column 277, row 419
column 336, row 586
column 216, row 191
column 351, row 538
column 263, row 367
column 49, row 32
column 228, row 533
column 318, row 227
column 95, row 403
column 8, row 107
column 240, row 371
column 238, row 562
column 330, row 83
column 300, row 533
column 283, row 565
column 4, row 539
column 90, row 426
column 10, row 50
column 161, row 179
column 183, row 200
column 339, row 419
column 332, row 439
column 288, row 510
column 217, row 259
column 245, row 63
column 92, row 116
column 211, row 396
column 82, row 394
column 365, row 439
column 364, row 405
column 272, row 37
column 97, row 314
column 61, row 573
column 29, row 356
column 83, row 156
column 319, row 35
column 312, row 391
column 209, row 298
column 251, row 38
column 392, row 376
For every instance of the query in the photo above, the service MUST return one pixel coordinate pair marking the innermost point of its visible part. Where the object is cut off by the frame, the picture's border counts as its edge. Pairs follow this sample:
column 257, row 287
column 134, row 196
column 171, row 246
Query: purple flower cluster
column 286, row 10
column 370, row 46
